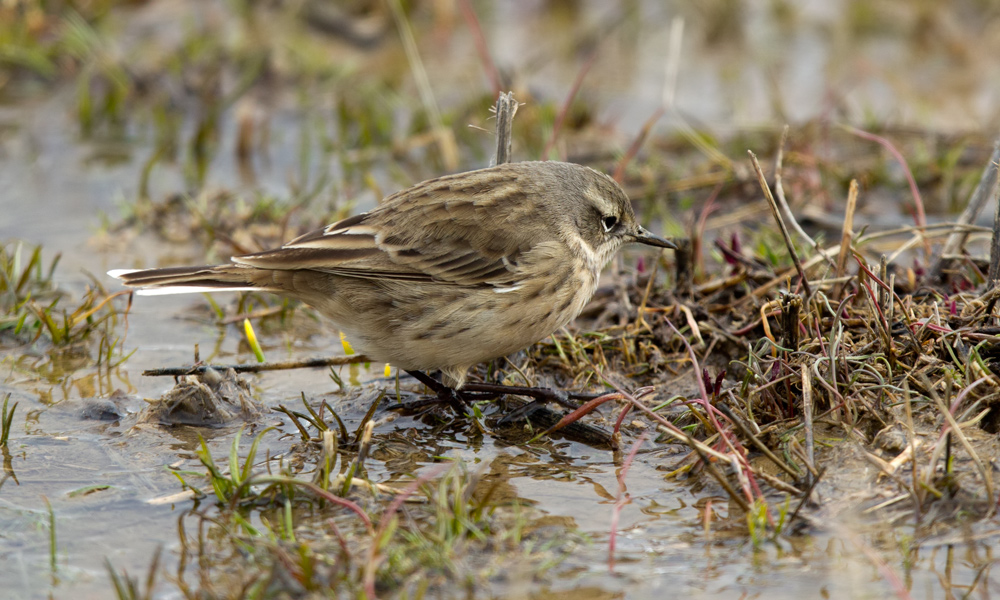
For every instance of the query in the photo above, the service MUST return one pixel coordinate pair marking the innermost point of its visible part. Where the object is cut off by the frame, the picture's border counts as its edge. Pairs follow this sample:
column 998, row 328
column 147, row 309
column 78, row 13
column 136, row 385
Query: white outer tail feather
column 181, row 289
column 176, row 289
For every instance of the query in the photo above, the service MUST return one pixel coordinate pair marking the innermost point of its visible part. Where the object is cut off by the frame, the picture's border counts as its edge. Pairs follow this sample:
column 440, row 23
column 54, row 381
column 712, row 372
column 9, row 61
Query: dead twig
column 807, row 418
column 919, row 216
column 791, row 309
column 505, row 109
column 472, row 21
column 745, row 432
column 779, row 193
column 444, row 135
column 564, row 111
column 994, row 273
column 957, row 429
column 845, row 236
column 303, row 363
column 983, row 192
column 781, row 224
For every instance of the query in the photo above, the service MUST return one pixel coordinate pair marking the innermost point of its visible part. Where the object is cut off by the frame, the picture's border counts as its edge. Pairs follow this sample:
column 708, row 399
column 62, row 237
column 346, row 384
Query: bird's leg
column 436, row 386
column 453, row 397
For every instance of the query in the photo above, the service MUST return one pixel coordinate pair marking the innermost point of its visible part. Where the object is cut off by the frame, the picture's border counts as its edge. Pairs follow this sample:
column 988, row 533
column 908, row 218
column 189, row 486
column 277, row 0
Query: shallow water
column 742, row 66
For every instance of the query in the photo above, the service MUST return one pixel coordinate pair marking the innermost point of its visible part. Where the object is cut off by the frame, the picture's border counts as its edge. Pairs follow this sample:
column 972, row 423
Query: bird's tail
column 185, row 280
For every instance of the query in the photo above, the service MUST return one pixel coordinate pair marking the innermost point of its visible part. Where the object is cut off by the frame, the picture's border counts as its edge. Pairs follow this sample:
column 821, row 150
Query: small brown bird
column 448, row 273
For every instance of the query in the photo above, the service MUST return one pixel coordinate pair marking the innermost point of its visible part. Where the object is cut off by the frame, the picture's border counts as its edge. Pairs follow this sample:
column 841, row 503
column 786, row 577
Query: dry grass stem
column 846, row 234
column 779, row 192
column 956, row 429
column 807, row 417
column 983, row 192
column 994, row 271
column 445, row 137
column 776, row 213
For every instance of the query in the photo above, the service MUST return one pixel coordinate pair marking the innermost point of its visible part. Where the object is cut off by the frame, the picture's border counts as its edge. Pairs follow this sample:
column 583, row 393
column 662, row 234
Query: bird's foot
column 457, row 399
column 474, row 392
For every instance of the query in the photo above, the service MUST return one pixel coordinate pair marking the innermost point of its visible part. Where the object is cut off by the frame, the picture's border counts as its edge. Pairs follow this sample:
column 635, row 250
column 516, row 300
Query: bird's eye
column 609, row 222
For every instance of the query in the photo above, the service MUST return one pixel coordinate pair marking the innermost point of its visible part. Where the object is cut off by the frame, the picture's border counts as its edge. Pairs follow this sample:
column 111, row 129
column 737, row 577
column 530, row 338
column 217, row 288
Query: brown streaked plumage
column 450, row 272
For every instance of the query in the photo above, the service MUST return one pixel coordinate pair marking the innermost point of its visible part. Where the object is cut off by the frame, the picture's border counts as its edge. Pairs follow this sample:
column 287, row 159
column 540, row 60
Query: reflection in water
column 8, row 467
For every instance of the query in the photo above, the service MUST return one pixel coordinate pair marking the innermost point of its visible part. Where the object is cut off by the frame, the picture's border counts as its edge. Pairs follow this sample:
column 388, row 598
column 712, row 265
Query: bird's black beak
column 646, row 237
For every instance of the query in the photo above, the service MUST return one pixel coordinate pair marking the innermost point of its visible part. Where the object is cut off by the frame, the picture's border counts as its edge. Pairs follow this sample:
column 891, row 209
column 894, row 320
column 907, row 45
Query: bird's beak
column 644, row 236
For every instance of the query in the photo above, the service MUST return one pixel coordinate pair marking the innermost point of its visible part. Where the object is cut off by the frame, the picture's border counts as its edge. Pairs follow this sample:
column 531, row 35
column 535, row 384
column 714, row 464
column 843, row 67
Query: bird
column 448, row 273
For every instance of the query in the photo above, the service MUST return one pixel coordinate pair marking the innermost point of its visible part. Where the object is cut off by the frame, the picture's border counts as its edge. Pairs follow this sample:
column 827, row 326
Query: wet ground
column 742, row 69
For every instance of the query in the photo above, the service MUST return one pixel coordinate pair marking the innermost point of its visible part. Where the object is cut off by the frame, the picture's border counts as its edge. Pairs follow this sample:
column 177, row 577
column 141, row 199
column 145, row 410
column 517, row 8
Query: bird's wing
column 453, row 229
